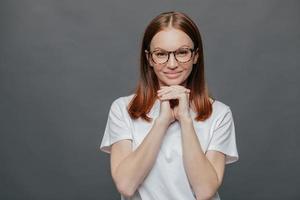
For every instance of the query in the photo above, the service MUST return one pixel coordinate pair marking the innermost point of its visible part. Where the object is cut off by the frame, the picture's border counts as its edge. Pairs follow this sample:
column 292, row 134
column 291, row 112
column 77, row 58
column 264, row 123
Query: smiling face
column 172, row 72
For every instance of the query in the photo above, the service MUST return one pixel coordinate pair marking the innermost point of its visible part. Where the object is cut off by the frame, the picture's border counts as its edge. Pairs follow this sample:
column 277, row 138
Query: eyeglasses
column 160, row 56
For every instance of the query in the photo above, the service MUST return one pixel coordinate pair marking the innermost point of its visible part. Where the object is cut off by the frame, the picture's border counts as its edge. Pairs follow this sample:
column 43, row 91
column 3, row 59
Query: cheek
column 188, row 70
column 157, row 69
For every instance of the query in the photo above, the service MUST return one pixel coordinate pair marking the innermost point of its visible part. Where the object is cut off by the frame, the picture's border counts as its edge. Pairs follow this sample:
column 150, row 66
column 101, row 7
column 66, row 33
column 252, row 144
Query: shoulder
column 220, row 108
column 122, row 102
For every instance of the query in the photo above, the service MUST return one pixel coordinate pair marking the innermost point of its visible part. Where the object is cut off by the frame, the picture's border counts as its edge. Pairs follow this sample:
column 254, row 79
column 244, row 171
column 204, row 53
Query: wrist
column 185, row 119
column 161, row 122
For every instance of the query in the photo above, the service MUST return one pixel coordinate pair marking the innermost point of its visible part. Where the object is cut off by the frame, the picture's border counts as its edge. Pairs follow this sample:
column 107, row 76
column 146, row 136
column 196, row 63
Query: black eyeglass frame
column 173, row 52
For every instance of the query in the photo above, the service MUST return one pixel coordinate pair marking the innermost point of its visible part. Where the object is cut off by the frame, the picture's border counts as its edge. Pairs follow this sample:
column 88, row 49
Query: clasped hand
column 180, row 111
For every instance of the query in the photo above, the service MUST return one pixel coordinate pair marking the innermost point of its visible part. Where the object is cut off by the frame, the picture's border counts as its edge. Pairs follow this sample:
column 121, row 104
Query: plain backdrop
column 63, row 62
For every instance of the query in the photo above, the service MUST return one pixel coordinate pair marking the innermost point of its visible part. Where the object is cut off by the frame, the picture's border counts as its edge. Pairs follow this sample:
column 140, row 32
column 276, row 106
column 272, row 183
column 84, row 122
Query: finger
column 163, row 93
column 174, row 90
column 161, row 87
column 180, row 88
column 187, row 91
column 165, row 90
column 169, row 96
column 177, row 86
column 175, row 94
column 160, row 96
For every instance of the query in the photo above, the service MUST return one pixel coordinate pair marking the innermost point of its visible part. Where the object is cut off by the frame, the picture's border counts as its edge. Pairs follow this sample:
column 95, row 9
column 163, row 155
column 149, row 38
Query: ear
column 196, row 56
column 148, row 58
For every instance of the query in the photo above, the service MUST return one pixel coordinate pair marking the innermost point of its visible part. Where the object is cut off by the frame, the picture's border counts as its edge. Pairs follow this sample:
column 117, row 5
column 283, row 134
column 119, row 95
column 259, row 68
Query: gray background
column 63, row 62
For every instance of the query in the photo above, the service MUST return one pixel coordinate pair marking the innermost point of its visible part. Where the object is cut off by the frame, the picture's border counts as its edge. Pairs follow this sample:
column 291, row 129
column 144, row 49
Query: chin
column 170, row 82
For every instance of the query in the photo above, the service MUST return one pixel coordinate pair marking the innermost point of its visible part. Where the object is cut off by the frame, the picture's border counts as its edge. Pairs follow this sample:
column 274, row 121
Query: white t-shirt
column 168, row 180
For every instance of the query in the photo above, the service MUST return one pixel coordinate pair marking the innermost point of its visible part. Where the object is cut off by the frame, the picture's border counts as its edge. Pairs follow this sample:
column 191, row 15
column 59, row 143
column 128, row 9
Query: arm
column 129, row 168
column 205, row 172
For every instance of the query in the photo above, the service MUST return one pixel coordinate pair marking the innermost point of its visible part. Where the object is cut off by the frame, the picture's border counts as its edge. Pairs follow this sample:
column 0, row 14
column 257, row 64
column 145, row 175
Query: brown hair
column 146, row 90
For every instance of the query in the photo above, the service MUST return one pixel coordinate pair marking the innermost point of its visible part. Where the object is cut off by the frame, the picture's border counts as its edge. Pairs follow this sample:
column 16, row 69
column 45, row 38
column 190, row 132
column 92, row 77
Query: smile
column 172, row 75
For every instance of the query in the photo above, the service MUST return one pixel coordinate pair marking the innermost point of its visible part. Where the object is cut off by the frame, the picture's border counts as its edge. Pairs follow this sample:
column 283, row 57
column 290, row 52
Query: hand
column 179, row 93
column 166, row 115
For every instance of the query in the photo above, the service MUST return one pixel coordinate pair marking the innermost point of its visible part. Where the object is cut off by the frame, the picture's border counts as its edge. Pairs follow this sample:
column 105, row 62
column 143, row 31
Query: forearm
column 134, row 168
column 200, row 172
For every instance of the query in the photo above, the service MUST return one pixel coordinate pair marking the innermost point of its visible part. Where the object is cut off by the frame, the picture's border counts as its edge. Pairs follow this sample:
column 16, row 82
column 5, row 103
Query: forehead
column 170, row 39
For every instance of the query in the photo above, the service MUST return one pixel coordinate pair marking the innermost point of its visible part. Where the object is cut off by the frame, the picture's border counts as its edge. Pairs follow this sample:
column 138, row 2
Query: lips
column 172, row 75
column 172, row 72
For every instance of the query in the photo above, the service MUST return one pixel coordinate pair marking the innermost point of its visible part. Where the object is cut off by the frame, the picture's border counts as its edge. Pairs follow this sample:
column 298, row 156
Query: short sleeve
column 223, row 137
column 117, row 126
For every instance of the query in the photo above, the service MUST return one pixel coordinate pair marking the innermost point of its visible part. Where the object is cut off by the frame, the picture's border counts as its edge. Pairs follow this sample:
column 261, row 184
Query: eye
column 182, row 52
column 160, row 54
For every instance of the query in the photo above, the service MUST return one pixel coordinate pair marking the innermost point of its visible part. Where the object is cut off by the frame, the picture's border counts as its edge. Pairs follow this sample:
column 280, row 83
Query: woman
column 170, row 140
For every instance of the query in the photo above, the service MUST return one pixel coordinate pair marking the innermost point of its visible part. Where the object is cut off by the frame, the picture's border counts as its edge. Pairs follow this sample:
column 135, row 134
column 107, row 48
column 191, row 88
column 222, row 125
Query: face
column 172, row 72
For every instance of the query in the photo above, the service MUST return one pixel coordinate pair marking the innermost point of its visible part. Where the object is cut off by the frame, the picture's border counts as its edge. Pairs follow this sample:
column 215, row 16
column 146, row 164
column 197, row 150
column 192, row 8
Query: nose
column 172, row 62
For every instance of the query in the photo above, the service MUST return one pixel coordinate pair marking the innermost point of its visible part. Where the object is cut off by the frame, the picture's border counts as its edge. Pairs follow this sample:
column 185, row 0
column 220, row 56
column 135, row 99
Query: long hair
column 146, row 90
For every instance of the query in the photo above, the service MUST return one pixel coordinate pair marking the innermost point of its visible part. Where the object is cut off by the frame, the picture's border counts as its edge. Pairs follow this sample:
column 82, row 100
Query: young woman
column 170, row 140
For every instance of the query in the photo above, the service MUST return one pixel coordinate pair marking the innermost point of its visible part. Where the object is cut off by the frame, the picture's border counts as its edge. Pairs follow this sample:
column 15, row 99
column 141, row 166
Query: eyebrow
column 158, row 48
